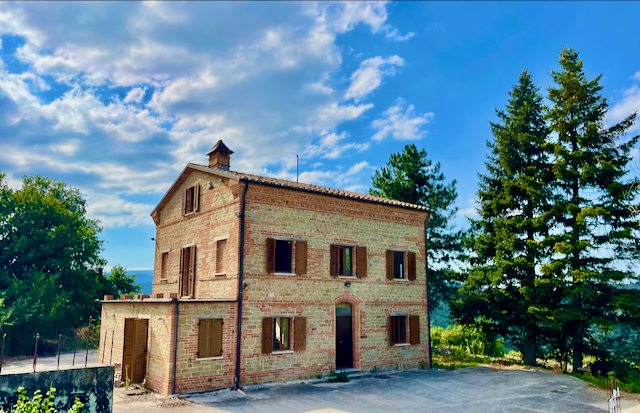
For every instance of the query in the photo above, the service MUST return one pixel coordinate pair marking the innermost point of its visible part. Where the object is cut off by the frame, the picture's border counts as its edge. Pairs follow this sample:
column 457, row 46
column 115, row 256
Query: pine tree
column 411, row 177
column 594, row 234
column 502, row 292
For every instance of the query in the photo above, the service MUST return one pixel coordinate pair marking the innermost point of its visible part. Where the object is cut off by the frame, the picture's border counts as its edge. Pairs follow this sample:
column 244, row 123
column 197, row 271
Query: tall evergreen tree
column 503, row 293
column 411, row 177
column 594, row 233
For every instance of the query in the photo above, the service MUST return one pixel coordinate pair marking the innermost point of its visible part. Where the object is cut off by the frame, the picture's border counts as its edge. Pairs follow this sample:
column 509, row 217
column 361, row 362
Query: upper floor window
column 348, row 261
column 398, row 264
column 286, row 256
column 191, row 199
column 344, row 266
column 401, row 265
column 164, row 263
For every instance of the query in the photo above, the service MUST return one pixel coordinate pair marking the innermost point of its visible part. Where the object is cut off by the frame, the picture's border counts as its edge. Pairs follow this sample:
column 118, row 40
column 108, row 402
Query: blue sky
column 115, row 98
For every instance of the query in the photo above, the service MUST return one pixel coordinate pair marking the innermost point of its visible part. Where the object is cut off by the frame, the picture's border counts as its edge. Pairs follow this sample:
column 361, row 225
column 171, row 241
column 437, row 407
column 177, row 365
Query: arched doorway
column 344, row 336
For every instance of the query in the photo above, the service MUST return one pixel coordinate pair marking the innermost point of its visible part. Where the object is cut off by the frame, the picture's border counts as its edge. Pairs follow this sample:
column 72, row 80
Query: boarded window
column 281, row 337
column 164, row 263
column 186, row 282
column 361, row 262
column 191, row 200
column 210, row 337
column 414, row 329
column 345, row 261
column 221, row 253
column 300, row 334
column 398, row 329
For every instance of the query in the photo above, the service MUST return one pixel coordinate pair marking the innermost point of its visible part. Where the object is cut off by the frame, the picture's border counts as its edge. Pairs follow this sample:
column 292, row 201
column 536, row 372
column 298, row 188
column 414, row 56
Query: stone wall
column 92, row 385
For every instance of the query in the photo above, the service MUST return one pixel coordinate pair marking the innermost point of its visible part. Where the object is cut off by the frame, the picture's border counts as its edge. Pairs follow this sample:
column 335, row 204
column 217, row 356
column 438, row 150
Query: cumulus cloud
column 135, row 95
column 330, row 146
column 400, row 122
column 629, row 104
column 369, row 75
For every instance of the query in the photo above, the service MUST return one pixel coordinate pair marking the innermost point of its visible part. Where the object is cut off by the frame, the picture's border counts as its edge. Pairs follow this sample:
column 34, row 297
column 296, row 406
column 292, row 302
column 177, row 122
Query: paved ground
column 50, row 363
column 466, row 390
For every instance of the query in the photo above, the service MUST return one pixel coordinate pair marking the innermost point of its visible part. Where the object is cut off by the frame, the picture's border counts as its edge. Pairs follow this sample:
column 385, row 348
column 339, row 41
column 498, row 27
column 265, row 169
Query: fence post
column 2, row 351
column 75, row 346
column 59, row 338
column 86, row 357
column 35, row 353
column 111, row 352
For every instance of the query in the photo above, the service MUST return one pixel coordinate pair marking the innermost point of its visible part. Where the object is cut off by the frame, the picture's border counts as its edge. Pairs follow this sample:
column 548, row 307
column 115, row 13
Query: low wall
column 92, row 385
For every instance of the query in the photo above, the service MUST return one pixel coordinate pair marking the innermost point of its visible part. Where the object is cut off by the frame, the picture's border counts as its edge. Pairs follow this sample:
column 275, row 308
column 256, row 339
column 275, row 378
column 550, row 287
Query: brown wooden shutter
column 181, row 274
column 196, row 197
column 389, row 265
column 204, row 338
column 361, row 262
column 412, row 265
column 301, row 257
column 414, row 329
column 392, row 330
column 184, row 202
column 335, row 258
column 192, row 271
column 271, row 255
column 215, row 330
column 300, row 334
column 267, row 335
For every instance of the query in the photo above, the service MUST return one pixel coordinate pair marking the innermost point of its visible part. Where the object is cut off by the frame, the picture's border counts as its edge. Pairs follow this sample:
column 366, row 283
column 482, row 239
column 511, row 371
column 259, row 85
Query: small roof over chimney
column 220, row 156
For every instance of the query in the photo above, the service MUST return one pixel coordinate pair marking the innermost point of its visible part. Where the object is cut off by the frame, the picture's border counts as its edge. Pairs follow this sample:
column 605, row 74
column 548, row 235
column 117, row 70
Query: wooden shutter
column 301, row 257
column 196, row 197
column 392, row 330
column 300, row 334
column 271, row 255
column 181, row 273
column 204, row 341
column 216, row 337
column 389, row 265
column 184, row 202
column 267, row 335
column 192, row 271
column 361, row 262
column 335, row 258
column 414, row 329
column 412, row 265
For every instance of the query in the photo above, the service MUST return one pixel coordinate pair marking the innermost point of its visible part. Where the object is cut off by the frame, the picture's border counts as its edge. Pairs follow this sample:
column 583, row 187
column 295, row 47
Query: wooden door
column 344, row 337
column 134, row 362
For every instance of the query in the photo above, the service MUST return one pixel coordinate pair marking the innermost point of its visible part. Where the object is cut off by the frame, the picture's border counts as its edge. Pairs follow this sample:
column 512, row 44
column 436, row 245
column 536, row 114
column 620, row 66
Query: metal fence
column 79, row 357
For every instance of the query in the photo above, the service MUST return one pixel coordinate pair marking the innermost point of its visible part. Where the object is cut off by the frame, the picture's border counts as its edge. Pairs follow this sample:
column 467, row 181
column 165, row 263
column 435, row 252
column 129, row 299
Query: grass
column 628, row 386
column 453, row 362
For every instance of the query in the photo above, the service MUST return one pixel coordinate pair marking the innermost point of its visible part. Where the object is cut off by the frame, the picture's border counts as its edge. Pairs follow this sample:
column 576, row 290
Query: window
column 164, row 262
column 398, row 264
column 398, row 329
column 187, row 277
column 346, row 254
column 210, row 337
column 281, row 334
column 190, row 200
column 283, row 256
column 221, row 252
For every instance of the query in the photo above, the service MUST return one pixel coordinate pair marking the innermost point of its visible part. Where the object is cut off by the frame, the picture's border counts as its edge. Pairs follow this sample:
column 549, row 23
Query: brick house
column 323, row 279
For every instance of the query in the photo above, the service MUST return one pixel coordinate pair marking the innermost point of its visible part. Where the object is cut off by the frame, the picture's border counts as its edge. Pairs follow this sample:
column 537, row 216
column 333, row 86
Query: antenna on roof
column 297, row 168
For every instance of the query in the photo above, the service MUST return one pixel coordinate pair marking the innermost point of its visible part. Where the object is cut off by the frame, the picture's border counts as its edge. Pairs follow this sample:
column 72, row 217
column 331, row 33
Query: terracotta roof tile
column 312, row 188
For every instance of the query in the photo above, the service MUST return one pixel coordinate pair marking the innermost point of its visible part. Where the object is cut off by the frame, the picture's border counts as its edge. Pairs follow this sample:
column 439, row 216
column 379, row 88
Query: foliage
column 411, row 177
column 631, row 385
column 466, row 340
column 456, row 361
column 120, row 283
column 595, row 236
column 502, row 293
column 51, row 270
column 340, row 377
column 42, row 404
column 618, row 351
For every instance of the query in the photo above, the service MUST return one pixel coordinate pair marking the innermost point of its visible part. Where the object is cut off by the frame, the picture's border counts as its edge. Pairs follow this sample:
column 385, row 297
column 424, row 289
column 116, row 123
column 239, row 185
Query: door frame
column 131, row 343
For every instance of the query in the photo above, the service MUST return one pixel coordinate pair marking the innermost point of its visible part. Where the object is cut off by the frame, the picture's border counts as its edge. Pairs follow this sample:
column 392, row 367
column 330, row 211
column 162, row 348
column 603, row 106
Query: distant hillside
column 144, row 278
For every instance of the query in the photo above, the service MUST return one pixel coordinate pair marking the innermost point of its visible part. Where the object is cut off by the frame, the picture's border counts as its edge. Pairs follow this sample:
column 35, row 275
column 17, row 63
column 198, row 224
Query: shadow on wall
column 92, row 385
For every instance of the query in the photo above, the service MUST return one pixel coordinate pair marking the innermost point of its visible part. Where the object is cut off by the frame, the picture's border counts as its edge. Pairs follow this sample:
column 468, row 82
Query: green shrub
column 341, row 377
column 466, row 340
column 41, row 404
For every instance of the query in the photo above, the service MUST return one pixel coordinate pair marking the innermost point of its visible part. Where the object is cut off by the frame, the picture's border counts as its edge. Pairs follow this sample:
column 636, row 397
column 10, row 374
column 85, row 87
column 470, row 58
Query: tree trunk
column 577, row 349
column 531, row 346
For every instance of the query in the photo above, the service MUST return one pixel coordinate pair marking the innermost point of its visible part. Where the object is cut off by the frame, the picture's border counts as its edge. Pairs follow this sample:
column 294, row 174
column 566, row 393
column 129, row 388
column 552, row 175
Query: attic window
column 191, row 199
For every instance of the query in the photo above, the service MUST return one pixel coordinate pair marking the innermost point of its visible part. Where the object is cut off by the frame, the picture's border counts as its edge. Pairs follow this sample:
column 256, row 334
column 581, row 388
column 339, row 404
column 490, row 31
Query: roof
column 219, row 146
column 263, row 180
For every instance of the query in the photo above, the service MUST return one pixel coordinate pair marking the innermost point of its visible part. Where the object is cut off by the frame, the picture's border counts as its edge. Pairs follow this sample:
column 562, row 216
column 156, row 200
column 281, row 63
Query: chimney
column 220, row 156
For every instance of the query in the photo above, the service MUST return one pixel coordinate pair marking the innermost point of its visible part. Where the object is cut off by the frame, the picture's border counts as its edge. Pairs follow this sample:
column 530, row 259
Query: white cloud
column 369, row 75
column 637, row 75
column 135, row 95
column 629, row 104
column 401, row 123
column 394, row 34
column 113, row 211
column 330, row 146
column 357, row 168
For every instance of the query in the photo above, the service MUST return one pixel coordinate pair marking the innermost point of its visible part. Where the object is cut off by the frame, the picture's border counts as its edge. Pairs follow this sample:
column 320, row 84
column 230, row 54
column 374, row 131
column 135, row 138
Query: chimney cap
column 220, row 146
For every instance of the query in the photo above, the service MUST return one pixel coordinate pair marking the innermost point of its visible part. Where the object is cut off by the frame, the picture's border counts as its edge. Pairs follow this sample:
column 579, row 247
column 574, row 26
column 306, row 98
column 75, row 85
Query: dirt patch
column 147, row 399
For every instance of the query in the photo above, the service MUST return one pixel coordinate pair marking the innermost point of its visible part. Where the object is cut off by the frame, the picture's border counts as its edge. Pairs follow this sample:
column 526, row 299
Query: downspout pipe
column 240, row 284
column 426, row 266
column 175, row 346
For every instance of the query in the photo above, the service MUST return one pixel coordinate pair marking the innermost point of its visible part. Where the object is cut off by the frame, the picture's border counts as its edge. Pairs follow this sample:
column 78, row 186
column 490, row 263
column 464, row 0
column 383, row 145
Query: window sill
column 220, row 274
column 351, row 277
column 400, row 279
column 188, row 213
column 209, row 358
column 282, row 352
column 402, row 344
column 284, row 273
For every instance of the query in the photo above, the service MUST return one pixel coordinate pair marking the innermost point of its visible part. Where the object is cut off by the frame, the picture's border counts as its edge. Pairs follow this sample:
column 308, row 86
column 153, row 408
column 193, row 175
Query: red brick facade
column 318, row 220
